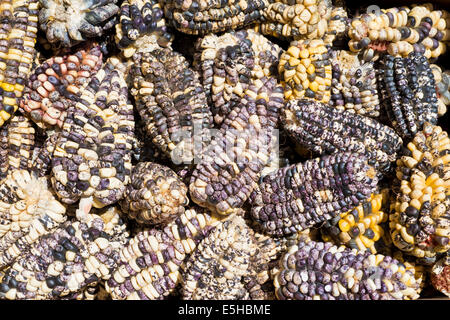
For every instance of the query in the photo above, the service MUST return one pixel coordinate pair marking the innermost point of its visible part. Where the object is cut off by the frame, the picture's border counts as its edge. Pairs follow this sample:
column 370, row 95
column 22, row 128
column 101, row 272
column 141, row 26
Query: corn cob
column 322, row 129
column 408, row 93
column 229, row 63
column 212, row 16
column 440, row 275
column 419, row 270
column 299, row 19
column 300, row 196
column 149, row 266
column 215, row 269
column 419, row 219
column 267, row 250
column 28, row 210
column 141, row 21
column 258, row 280
column 68, row 23
column 155, row 194
column 442, row 80
column 322, row 271
column 306, row 70
column 93, row 152
column 359, row 228
column 400, row 31
column 231, row 165
column 17, row 143
column 18, row 37
column 171, row 102
column 4, row 150
column 41, row 161
column 56, row 84
column 338, row 25
column 66, row 261
column 354, row 84
column 145, row 150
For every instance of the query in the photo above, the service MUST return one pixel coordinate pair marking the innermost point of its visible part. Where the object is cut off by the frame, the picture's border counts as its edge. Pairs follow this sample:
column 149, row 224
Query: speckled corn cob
column 155, row 195
column 141, row 21
column 56, row 84
column 400, row 31
column 419, row 219
column 66, row 261
column 231, row 165
column 299, row 19
column 171, row 101
column 212, row 16
column 354, row 84
column 149, row 266
column 322, row 129
column 17, row 143
column 215, row 269
column 408, row 93
column 322, row 271
column 360, row 227
column 93, row 152
column 305, row 70
column 17, row 39
column 440, row 275
column 442, row 80
column 300, row 196
column 229, row 63
column 27, row 210
column 67, row 23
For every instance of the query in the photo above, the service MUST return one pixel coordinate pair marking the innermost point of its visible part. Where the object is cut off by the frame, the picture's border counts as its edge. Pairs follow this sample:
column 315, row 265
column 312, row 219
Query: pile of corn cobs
column 253, row 149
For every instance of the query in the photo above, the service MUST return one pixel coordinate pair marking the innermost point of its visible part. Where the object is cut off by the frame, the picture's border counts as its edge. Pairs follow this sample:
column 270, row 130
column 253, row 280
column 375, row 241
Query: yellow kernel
column 415, row 203
column 350, row 219
column 18, row 87
column 7, row 86
column 314, row 86
column 320, row 81
column 293, row 61
column 366, row 241
column 304, row 53
column 301, row 68
column 406, row 236
column 306, row 62
column 311, row 69
column 293, row 51
column 4, row 115
column 10, row 101
column 305, row 83
column 344, row 225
